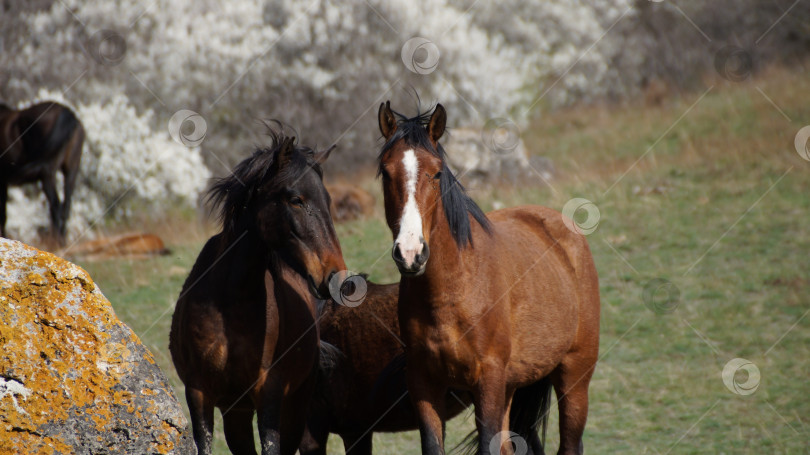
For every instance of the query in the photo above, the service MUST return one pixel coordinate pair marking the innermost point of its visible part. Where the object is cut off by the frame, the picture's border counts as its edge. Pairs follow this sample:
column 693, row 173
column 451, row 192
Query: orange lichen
column 51, row 321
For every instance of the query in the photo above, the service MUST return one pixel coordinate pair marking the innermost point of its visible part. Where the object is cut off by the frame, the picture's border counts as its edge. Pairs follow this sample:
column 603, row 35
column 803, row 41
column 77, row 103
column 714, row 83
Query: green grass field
column 707, row 192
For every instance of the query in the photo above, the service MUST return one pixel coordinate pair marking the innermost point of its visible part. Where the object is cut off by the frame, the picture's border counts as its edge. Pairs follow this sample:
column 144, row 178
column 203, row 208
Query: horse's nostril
column 397, row 254
column 423, row 256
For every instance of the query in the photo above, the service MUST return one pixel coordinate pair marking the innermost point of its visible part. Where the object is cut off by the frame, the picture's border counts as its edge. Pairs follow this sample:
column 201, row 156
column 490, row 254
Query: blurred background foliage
column 323, row 67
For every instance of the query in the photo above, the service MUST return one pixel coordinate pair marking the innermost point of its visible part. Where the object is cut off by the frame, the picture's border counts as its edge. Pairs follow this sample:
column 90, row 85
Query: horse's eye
column 384, row 173
column 296, row 200
column 437, row 176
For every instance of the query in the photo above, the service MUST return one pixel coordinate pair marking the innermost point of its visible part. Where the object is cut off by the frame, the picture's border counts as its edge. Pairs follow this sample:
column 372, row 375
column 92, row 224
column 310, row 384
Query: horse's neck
column 446, row 257
column 443, row 271
column 288, row 284
column 284, row 274
column 250, row 266
column 289, row 293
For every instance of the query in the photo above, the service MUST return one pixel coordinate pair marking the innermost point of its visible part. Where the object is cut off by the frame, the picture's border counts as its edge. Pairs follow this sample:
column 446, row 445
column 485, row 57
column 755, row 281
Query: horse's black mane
column 231, row 196
column 457, row 204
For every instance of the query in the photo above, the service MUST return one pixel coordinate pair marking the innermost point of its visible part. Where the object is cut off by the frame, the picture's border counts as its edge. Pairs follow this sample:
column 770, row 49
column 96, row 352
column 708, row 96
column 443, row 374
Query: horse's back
column 535, row 233
column 39, row 135
column 46, row 127
column 210, row 252
column 192, row 307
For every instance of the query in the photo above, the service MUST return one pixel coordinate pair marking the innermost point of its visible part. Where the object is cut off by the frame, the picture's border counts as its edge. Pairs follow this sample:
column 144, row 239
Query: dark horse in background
column 504, row 305
column 35, row 143
column 244, row 334
column 362, row 388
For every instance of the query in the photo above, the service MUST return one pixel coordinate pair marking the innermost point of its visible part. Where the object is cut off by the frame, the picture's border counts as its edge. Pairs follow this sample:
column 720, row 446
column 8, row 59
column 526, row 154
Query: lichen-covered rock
column 73, row 378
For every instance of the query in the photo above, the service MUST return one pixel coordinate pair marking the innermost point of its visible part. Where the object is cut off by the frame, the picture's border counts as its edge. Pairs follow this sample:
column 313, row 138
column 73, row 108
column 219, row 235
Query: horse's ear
column 321, row 157
column 437, row 123
column 388, row 124
column 285, row 152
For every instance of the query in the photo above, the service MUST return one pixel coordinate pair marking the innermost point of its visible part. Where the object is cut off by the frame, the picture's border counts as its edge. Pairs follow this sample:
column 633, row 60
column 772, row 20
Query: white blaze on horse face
column 409, row 240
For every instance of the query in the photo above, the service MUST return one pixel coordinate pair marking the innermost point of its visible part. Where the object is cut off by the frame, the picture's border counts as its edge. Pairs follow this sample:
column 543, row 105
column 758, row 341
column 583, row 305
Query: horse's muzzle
column 321, row 291
column 411, row 263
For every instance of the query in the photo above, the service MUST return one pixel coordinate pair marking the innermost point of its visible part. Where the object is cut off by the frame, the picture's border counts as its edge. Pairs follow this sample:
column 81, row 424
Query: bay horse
column 244, row 335
column 490, row 303
column 362, row 388
column 35, row 143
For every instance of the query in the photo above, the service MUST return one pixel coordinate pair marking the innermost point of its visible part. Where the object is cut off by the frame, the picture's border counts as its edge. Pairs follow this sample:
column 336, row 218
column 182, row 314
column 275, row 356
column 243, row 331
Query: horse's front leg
column 428, row 399
column 70, row 170
column 358, row 445
column 64, row 210
column 55, row 206
column 201, row 409
column 294, row 414
column 316, row 430
column 316, row 433
column 268, row 409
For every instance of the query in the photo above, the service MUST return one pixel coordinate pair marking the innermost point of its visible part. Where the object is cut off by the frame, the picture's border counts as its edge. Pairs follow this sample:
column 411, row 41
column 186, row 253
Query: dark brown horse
column 244, row 334
column 35, row 143
column 488, row 303
column 362, row 387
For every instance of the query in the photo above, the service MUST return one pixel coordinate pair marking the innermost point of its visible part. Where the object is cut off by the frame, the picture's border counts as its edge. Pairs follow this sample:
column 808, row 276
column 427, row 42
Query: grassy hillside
column 706, row 192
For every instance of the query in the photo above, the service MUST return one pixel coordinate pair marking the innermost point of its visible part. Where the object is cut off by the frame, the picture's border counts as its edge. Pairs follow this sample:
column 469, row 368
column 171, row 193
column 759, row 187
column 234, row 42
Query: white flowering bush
column 126, row 159
column 324, row 66
column 321, row 66
column 126, row 165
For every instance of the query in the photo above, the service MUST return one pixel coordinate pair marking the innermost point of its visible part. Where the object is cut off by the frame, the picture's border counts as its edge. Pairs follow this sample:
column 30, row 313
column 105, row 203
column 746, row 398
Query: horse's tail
column 391, row 383
column 527, row 417
column 529, row 414
column 61, row 131
column 329, row 359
